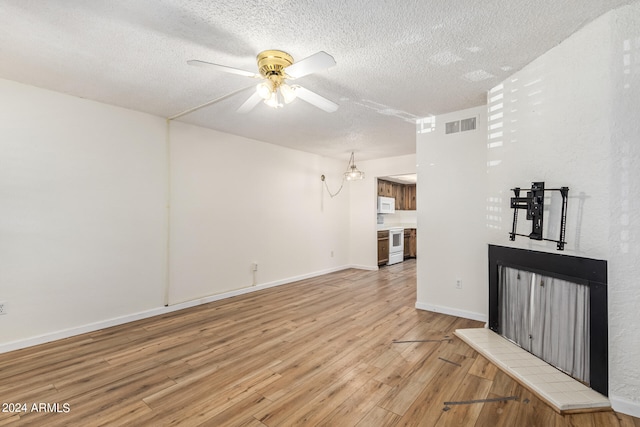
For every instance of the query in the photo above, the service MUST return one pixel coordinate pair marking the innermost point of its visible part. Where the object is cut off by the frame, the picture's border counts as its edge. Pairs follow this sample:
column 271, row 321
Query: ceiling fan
column 275, row 68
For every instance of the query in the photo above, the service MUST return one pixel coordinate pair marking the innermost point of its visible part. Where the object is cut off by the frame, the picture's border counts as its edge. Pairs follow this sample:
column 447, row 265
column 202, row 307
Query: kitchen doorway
column 396, row 218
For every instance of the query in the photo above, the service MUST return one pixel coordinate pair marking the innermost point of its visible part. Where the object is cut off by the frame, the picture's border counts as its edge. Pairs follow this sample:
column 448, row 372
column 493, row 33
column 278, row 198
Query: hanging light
column 352, row 172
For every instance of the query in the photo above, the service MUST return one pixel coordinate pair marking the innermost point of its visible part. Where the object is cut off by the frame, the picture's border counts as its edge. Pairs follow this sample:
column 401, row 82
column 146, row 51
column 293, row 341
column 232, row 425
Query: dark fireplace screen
column 555, row 307
column 548, row 317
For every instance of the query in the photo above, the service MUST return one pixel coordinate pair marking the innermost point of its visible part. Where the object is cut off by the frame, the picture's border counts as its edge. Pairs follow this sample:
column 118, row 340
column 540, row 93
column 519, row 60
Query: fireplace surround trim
column 586, row 271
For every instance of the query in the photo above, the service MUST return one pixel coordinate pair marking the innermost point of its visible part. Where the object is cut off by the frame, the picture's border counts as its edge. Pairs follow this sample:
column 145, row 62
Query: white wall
column 235, row 201
column 624, row 207
column 84, row 190
column 82, row 211
column 576, row 114
column 364, row 206
column 451, row 209
column 570, row 119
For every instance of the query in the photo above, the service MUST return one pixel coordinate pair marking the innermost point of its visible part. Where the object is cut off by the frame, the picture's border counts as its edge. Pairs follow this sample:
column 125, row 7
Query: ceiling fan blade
column 316, row 100
column 206, row 104
column 250, row 103
column 223, row 68
column 317, row 62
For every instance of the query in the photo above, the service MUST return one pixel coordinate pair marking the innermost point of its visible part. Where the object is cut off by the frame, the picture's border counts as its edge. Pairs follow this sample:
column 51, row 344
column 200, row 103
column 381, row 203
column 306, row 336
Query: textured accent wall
column 569, row 118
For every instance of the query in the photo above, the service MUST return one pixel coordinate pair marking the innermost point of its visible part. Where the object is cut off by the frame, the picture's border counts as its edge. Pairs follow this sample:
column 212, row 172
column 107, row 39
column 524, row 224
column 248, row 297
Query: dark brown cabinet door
column 413, row 243
column 383, row 247
column 410, row 197
column 385, row 188
column 407, row 243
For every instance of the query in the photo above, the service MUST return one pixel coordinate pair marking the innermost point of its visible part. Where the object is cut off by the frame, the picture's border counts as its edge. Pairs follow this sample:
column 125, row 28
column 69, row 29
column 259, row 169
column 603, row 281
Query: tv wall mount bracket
column 534, row 205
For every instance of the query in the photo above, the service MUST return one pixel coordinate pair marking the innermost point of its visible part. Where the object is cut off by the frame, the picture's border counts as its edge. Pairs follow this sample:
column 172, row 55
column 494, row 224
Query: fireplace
column 588, row 276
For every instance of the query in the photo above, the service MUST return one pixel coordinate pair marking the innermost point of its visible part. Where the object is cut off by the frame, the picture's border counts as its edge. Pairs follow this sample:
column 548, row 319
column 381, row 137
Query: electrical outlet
column 331, row 254
column 3, row 308
column 254, row 266
column 458, row 283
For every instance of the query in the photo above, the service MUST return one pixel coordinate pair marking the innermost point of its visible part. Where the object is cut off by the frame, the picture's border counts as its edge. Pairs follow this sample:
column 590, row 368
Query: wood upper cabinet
column 410, row 197
column 385, row 188
column 398, row 193
column 405, row 194
column 383, row 247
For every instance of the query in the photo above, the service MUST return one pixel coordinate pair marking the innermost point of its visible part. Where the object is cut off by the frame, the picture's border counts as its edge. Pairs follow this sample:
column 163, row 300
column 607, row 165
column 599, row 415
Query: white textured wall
column 82, row 211
column 235, row 201
column 570, row 118
column 451, row 208
column 364, row 206
column 551, row 123
column 624, row 208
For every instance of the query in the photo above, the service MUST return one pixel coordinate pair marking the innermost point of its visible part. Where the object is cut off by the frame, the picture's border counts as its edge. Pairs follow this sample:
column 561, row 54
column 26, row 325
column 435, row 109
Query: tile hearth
column 558, row 389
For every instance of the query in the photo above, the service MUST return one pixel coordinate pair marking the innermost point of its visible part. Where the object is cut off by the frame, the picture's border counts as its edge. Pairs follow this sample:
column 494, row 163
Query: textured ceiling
column 396, row 60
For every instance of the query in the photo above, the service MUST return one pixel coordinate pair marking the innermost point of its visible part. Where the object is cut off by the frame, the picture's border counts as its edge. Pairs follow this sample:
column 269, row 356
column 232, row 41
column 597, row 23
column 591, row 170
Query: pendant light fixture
column 352, row 174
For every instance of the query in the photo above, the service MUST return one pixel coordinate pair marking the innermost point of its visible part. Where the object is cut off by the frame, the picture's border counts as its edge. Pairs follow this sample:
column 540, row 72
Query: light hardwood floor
column 315, row 352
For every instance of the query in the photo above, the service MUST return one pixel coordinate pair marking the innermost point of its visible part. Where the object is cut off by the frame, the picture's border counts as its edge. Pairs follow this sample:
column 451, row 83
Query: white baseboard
column 364, row 267
column 452, row 311
column 625, row 406
column 92, row 327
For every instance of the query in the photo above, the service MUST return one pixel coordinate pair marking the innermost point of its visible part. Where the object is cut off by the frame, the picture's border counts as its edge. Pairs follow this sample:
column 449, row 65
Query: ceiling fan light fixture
column 265, row 89
column 288, row 93
column 272, row 101
column 275, row 68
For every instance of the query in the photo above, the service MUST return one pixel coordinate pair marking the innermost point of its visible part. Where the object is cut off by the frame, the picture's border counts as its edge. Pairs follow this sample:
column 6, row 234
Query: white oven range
column 396, row 245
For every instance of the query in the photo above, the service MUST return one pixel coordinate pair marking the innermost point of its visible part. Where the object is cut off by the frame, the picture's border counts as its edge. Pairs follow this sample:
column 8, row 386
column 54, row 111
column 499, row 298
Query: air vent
column 468, row 124
column 452, row 127
column 460, row 125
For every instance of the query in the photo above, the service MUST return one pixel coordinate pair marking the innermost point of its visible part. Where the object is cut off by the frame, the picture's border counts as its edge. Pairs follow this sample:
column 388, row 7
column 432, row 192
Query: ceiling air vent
column 452, row 127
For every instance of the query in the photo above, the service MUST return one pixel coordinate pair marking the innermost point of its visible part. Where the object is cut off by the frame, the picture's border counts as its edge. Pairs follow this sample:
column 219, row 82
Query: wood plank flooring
column 315, row 352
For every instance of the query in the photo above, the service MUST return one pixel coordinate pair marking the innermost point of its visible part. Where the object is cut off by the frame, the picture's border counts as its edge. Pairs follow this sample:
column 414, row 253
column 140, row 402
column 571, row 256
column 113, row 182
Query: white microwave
column 386, row 205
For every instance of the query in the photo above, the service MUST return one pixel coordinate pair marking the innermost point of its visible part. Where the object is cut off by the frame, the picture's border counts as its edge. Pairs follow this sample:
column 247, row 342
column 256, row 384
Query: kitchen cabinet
column 407, row 238
column 413, row 243
column 383, row 247
column 398, row 193
column 405, row 194
column 385, row 188
column 409, row 197
column 410, row 243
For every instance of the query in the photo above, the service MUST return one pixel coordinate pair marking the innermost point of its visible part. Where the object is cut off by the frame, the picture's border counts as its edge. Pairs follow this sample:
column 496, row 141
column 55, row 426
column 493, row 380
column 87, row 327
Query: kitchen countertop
column 387, row 227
